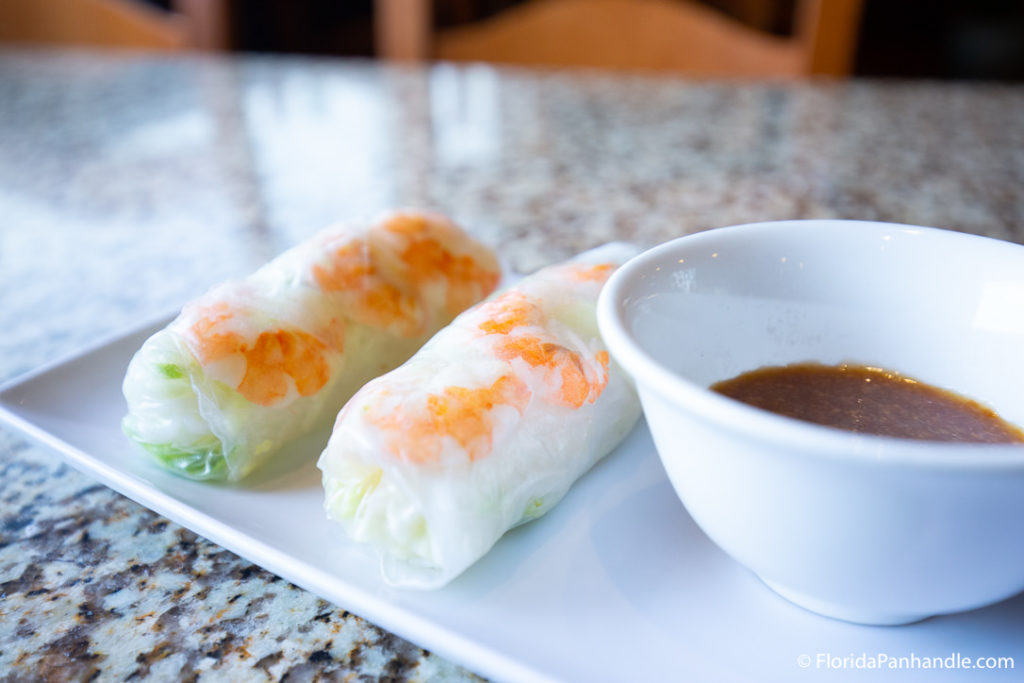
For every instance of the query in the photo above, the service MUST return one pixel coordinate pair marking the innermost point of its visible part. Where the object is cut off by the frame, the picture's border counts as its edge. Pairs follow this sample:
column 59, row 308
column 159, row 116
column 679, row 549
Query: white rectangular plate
column 616, row 583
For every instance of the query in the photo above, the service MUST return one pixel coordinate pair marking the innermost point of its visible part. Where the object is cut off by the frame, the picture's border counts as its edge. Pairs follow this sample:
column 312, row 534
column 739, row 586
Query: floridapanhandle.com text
column 883, row 660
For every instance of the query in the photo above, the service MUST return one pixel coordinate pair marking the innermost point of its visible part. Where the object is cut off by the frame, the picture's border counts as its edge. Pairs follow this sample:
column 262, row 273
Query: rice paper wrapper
column 485, row 428
column 256, row 363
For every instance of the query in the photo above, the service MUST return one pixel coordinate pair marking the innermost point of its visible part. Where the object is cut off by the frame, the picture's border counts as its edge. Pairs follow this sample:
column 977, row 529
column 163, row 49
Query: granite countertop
column 129, row 184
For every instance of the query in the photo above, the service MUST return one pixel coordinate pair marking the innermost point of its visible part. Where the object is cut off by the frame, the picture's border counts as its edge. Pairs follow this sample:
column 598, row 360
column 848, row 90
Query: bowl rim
column 757, row 424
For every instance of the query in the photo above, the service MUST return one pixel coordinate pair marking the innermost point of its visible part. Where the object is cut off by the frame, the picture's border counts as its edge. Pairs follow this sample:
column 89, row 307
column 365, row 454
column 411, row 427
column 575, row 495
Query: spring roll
column 485, row 428
column 255, row 363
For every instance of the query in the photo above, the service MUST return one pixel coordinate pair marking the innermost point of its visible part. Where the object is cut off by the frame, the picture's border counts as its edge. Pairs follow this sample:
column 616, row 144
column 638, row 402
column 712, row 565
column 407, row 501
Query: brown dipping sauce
column 869, row 400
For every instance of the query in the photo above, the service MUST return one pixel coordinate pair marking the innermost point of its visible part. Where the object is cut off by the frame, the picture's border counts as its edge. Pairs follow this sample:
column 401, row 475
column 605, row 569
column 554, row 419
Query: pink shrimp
column 270, row 360
column 513, row 311
column 374, row 301
column 457, row 412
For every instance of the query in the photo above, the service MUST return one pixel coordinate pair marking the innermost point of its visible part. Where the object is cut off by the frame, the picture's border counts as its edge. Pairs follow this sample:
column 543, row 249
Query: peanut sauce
column 869, row 400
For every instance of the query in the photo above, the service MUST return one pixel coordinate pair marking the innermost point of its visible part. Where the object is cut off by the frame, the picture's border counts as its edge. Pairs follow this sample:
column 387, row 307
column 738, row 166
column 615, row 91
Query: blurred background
column 941, row 39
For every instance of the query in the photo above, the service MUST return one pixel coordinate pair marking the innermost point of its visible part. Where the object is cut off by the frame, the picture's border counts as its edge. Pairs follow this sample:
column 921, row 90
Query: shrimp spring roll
column 255, row 363
column 485, row 428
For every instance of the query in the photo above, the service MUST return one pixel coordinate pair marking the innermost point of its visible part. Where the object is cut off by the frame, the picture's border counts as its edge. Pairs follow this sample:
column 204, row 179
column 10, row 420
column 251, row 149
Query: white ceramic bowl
column 863, row 528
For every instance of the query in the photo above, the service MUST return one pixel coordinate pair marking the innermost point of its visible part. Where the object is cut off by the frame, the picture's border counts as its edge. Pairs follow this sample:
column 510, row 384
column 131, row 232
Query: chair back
column 663, row 35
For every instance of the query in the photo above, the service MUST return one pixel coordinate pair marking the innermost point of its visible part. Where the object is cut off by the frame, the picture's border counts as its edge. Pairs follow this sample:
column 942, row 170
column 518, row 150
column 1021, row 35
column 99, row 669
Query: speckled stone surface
column 129, row 184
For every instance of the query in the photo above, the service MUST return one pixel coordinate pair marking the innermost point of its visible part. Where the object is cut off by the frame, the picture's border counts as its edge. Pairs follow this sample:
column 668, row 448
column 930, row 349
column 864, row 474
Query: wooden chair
column 665, row 35
column 194, row 24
